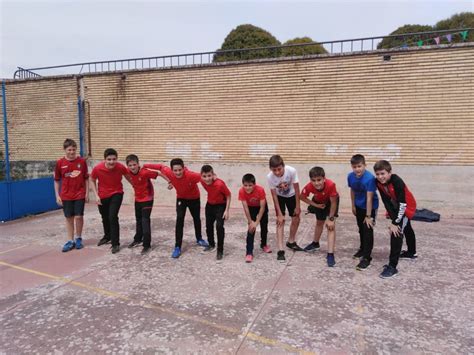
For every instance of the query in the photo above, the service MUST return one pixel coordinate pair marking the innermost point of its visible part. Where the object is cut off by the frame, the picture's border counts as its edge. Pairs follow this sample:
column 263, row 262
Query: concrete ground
column 90, row 301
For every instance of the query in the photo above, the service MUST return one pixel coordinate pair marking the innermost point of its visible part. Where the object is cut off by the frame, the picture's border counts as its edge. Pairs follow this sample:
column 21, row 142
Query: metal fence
column 344, row 46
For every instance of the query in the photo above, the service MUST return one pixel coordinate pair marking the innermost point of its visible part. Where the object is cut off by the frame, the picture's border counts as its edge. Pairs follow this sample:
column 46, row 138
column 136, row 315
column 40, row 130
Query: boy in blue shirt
column 364, row 207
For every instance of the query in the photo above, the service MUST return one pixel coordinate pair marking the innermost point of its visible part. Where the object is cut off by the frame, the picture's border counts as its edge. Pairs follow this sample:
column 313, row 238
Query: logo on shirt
column 283, row 188
column 73, row 174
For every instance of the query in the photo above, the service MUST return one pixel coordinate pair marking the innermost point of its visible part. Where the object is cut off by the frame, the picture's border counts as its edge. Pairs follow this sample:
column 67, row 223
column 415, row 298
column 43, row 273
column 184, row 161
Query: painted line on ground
column 16, row 248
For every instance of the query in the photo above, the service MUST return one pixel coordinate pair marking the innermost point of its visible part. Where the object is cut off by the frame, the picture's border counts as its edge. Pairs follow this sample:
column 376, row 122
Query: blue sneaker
column 79, row 244
column 176, row 253
column 69, row 246
column 202, row 243
column 330, row 259
column 388, row 271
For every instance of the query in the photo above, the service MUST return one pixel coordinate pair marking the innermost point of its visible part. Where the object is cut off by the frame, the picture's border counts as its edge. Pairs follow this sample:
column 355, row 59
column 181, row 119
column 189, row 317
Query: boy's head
column 277, row 166
column 358, row 164
column 383, row 171
column 70, row 148
column 207, row 174
column 248, row 183
column 133, row 163
column 317, row 176
column 110, row 157
column 177, row 165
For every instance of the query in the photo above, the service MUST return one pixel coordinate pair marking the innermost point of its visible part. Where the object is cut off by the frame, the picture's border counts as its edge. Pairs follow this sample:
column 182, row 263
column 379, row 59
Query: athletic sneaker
column 266, row 249
column 363, row 264
column 176, row 252
column 202, row 243
column 79, row 244
column 248, row 258
column 219, row 256
column 69, row 246
column 405, row 254
column 134, row 244
column 358, row 255
column 388, row 271
column 104, row 240
column 330, row 260
column 294, row 246
column 210, row 248
column 145, row 250
column 115, row 249
column 281, row 256
column 313, row 246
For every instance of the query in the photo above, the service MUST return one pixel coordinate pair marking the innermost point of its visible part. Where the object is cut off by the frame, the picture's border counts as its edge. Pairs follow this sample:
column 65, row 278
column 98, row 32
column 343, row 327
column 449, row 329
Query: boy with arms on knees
column 285, row 188
column 255, row 207
column 144, row 194
column 217, row 208
column 401, row 207
column 364, row 207
column 187, row 196
column 325, row 203
column 71, row 187
column 109, row 195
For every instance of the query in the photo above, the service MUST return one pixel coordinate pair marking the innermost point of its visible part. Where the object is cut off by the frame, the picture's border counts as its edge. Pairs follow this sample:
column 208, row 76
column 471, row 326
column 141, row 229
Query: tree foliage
column 303, row 50
column 461, row 20
column 393, row 42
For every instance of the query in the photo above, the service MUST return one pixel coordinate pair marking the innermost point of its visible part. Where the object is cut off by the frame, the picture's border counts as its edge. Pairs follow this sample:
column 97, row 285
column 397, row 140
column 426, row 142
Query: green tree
column 392, row 42
column 247, row 36
column 303, row 50
column 461, row 20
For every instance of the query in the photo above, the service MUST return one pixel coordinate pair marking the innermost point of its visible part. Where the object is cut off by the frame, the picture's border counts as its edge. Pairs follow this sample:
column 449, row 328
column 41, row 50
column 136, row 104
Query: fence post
column 7, row 151
column 80, row 111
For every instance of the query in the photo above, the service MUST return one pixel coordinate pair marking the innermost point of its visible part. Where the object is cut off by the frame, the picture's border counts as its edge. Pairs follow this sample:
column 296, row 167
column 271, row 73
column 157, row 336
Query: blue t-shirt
column 362, row 185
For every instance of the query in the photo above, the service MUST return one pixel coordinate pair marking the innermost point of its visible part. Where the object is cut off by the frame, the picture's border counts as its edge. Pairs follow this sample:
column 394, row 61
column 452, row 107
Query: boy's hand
column 369, row 222
column 98, row 201
column 330, row 225
column 86, row 198
column 320, row 205
column 354, row 212
column 252, row 227
column 170, row 185
column 59, row 201
column 395, row 230
column 280, row 220
column 226, row 215
column 297, row 211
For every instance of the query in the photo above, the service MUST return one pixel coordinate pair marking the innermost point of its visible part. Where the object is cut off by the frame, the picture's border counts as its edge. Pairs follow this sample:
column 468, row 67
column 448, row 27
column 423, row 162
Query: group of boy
column 72, row 186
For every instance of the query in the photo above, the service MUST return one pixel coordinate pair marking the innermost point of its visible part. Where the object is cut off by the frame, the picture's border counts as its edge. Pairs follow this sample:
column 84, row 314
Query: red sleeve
column 241, row 195
column 194, row 177
column 261, row 194
column 85, row 170
column 306, row 189
column 225, row 190
column 154, row 166
column 123, row 169
column 150, row 174
column 333, row 191
column 57, row 171
column 94, row 173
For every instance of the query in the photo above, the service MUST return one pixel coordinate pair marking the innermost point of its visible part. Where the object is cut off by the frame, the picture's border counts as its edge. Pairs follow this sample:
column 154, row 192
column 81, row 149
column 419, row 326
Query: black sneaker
column 103, row 241
column 294, row 246
column 363, row 264
column 145, row 250
column 115, row 249
column 209, row 248
column 357, row 255
column 281, row 256
column 219, row 256
column 134, row 244
column 405, row 254
column 388, row 271
column 313, row 246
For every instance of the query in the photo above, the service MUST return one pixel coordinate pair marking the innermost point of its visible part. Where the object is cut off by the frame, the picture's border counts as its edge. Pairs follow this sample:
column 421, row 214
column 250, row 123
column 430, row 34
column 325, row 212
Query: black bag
column 425, row 215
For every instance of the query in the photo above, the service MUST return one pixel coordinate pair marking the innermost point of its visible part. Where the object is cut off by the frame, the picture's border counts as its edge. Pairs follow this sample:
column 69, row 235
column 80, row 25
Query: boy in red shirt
column 187, row 196
column 401, row 206
column 217, row 208
column 255, row 207
column 109, row 195
column 325, row 204
column 71, row 187
column 144, row 195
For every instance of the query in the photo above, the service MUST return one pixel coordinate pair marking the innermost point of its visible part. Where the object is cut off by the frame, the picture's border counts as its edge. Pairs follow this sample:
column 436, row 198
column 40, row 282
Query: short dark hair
column 110, row 151
column 69, row 143
column 276, row 161
column 248, row 178
column 382, row 165
column 131, row 157
column 176, row 161
column 206, row 169
column 316, row 171
column 357, row 159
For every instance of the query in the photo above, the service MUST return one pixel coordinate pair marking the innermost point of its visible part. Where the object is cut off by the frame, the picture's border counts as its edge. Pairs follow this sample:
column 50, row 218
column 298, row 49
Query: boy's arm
column 94, row 189
column 87, row 191
column 399, row 187
column 296, row 185
column 330, row 225
column 368, row 219
column 227, row 206
column 158, row 167
column 353, row 202
column 56, row 193
column 280, row 217
column 263, row 204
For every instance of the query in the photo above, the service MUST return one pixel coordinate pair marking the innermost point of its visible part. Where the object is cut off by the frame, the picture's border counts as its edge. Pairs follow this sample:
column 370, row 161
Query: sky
column 44, row 33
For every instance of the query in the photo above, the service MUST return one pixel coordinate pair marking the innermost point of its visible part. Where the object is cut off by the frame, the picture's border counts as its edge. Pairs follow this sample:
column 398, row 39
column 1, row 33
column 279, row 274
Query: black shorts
column 289, row 202
column 323, row 213
column 73, row 208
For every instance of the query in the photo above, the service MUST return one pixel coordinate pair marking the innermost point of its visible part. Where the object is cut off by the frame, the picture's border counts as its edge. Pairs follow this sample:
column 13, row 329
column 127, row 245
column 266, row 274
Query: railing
column 214, row 58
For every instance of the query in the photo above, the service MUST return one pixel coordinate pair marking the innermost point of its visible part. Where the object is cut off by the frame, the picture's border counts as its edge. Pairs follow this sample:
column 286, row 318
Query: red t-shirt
column 110, row 180
column 217, row 192
column 253, row 199
column 322, row 196
column 142, row 185
column 186, row 186
column 73, row 175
